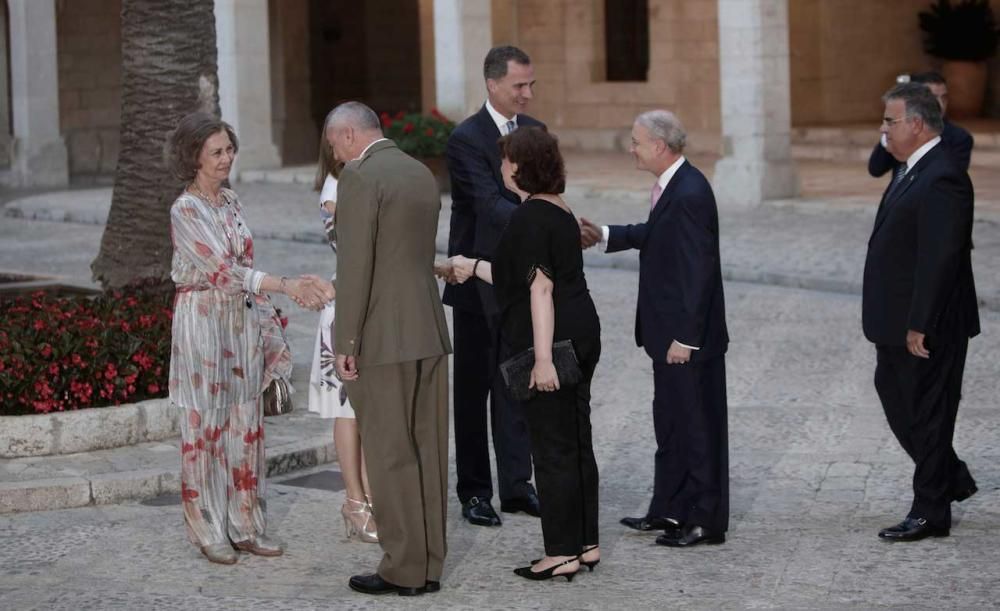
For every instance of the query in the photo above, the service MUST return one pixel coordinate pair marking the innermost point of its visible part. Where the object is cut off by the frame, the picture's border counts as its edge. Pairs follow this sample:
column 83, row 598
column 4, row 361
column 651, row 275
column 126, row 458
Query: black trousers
column 920, row 398
column 690, row 418
column 476, row 379
column 565, row 467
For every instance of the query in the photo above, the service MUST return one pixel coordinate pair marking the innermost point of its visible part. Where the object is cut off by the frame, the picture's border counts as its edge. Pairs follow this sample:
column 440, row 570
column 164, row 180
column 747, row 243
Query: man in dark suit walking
column 953, row 138
column 681, row 322
column 481, row 207
column 919, row 305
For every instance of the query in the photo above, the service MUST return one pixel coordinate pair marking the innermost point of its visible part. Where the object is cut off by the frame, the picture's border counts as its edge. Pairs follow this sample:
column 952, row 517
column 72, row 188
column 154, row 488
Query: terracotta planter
column 439, row 168
column 966, row 88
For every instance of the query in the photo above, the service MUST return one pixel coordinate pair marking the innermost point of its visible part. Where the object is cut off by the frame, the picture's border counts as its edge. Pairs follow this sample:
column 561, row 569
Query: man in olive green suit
column 392, row 346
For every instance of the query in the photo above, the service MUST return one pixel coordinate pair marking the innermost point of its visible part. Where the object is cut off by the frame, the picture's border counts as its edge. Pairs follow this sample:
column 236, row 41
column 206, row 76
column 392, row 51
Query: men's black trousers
column 476, row 379
column 920, row 398
column 690, row 419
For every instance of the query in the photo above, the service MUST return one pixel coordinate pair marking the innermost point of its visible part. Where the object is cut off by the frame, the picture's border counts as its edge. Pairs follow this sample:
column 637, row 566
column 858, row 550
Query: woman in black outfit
column 543, row 297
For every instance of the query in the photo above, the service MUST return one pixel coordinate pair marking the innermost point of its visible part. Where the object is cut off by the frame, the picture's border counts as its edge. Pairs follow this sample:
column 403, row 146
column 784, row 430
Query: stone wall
column 89, row 59
column 566, row 42
column 846, row 54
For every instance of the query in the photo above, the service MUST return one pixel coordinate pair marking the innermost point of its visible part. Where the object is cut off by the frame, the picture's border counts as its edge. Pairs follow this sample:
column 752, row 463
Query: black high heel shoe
column 590, row 564
column 549, row 573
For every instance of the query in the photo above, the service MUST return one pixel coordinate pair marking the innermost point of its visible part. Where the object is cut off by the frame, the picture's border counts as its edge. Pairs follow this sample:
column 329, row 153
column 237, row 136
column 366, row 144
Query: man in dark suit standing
column 481, row 207
column 953, row 138
column 681, row 322
column 919, row 305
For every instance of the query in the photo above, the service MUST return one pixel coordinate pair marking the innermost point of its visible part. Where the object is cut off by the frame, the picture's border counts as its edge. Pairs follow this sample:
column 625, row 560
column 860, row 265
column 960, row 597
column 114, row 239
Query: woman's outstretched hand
column 311, row 292
column 463, row 267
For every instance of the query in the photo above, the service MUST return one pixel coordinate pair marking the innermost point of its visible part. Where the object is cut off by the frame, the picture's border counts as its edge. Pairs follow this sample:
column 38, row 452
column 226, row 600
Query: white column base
column 45, row 166
column 740, row 183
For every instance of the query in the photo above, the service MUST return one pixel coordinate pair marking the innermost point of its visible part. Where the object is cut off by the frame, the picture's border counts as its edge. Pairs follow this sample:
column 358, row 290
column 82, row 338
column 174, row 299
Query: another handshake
column 309, row 291
column 456, row 270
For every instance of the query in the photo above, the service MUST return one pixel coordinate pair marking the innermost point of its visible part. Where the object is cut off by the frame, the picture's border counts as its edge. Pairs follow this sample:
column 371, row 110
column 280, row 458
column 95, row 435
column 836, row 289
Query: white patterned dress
column 327, row 396
column 227, row 344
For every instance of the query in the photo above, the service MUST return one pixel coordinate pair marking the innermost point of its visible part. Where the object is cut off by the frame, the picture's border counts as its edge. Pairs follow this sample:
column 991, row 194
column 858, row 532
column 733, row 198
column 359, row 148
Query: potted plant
column 424, row 137
column 963, row 34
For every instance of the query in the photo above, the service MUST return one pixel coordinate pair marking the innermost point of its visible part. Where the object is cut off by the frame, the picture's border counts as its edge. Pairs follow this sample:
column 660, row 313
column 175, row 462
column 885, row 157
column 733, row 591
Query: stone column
column 39, row 156
column 5, row 133
column 463, row 33
column 245, row 80
column 756, row 114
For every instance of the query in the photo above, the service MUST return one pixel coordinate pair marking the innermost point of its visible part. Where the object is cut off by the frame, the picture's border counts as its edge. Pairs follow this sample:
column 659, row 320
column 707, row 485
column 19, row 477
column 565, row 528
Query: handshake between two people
column 309, row 291
column 458, row 269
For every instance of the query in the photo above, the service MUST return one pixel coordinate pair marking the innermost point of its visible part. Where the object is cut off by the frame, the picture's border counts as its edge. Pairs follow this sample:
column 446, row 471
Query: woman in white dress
column 327, row 395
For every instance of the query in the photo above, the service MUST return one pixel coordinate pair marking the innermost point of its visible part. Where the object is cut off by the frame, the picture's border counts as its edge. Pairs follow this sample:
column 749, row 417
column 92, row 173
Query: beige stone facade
column 841, row 55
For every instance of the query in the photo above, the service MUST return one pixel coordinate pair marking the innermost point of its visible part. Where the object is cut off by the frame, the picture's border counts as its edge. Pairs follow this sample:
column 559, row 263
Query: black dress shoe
column 529, row 504
column 479, row 512
column 913, row 529
column 432, row 586
column 960, row 495
column 374, row 584
column 690, row 535
column 650, row 523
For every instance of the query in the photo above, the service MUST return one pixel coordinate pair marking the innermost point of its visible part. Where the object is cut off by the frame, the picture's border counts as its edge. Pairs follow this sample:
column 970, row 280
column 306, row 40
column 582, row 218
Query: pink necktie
column 655, row 195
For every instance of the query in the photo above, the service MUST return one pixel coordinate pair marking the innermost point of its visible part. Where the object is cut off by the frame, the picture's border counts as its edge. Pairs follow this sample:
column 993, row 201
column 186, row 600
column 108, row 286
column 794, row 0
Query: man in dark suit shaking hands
column 681, row 322
column 480, row 209
column 919, row 305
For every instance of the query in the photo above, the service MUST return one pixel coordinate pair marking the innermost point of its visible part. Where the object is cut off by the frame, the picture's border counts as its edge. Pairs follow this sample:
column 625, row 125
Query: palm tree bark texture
column 169, row 69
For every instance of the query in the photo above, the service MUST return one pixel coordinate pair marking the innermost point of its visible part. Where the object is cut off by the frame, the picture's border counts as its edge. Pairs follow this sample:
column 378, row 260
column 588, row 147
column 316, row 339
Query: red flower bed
column 60, row 353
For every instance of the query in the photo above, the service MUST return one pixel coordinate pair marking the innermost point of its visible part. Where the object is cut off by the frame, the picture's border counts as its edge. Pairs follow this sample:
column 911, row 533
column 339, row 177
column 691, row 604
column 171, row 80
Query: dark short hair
column 186, row 141
column 928, row 78
column 920, row 102
column 495, row 64
column 540, row 166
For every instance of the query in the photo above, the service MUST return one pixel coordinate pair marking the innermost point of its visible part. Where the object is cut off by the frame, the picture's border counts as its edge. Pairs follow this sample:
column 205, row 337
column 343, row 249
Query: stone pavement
column 815, row 471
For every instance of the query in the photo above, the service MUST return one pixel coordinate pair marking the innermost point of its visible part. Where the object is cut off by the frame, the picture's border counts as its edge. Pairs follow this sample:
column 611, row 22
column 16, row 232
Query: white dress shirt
column 499, row 119
column 920, row 152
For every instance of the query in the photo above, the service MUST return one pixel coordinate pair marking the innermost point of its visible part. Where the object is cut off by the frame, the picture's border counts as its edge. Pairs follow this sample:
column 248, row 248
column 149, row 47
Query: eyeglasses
column 889, row 122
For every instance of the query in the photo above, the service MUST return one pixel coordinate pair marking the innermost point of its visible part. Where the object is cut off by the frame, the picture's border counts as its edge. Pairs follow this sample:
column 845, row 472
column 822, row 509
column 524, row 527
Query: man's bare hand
column 678, row 354
column 347, row 368
column 445, row 270
column 590, row 233
column 915, row 344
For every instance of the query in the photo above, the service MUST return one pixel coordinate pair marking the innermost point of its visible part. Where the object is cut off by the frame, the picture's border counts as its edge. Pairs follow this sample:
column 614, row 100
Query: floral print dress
column 227, row 346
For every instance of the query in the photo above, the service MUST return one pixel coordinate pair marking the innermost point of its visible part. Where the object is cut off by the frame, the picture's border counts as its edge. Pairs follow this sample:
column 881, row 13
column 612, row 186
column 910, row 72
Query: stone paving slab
column 815, row 473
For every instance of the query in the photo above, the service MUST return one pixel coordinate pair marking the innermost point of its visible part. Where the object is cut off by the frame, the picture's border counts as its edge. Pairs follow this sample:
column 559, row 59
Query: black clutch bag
column 516, row 370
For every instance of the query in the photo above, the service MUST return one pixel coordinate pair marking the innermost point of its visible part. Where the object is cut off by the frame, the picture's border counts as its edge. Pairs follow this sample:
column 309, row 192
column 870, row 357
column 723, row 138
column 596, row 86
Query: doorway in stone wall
column 367, row 51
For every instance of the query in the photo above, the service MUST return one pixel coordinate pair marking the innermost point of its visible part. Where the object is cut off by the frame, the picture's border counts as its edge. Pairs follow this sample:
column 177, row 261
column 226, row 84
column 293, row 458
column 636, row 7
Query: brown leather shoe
column 261, row 546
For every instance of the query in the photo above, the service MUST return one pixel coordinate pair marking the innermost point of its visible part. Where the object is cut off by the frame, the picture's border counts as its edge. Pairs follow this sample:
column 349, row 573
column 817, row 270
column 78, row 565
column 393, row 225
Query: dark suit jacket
column 680, row 275
column 918, row 273
column 480, row 203
column 954, row 138
column 388, row 306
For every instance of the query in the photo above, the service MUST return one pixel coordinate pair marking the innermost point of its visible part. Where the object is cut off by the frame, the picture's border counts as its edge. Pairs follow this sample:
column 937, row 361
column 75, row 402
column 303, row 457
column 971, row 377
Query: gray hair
column 495, row 64
column 354, row 114
column 920, row 103
column 664, row 125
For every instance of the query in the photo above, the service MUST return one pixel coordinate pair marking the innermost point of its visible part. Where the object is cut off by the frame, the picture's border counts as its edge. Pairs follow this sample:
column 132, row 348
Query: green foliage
column 963, row 31
column 418, row 135
column 61, row 354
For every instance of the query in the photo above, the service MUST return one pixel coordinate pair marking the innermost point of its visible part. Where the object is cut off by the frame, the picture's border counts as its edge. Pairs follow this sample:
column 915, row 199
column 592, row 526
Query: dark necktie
column 511, row 126
column 897, row 180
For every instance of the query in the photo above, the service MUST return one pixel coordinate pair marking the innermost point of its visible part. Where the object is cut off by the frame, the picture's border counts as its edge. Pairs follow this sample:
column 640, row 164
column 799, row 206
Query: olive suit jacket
column 388, row 305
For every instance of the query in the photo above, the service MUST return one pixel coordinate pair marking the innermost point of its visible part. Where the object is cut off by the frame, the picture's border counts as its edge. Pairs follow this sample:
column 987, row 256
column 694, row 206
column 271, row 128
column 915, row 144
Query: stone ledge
column 85, row 430
column 116, row 487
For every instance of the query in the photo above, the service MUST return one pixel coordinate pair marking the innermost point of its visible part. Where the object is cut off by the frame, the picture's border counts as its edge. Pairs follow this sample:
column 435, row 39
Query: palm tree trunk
column 168, row 70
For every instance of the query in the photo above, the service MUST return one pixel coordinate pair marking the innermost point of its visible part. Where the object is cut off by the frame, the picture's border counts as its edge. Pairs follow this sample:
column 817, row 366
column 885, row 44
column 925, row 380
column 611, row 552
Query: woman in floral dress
column 227, row 346
column 327, row 395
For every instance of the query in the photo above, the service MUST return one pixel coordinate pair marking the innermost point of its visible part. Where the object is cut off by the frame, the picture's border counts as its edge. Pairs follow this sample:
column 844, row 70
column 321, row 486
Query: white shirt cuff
column 605, row 234
column 686, row 346
column 251, row 282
